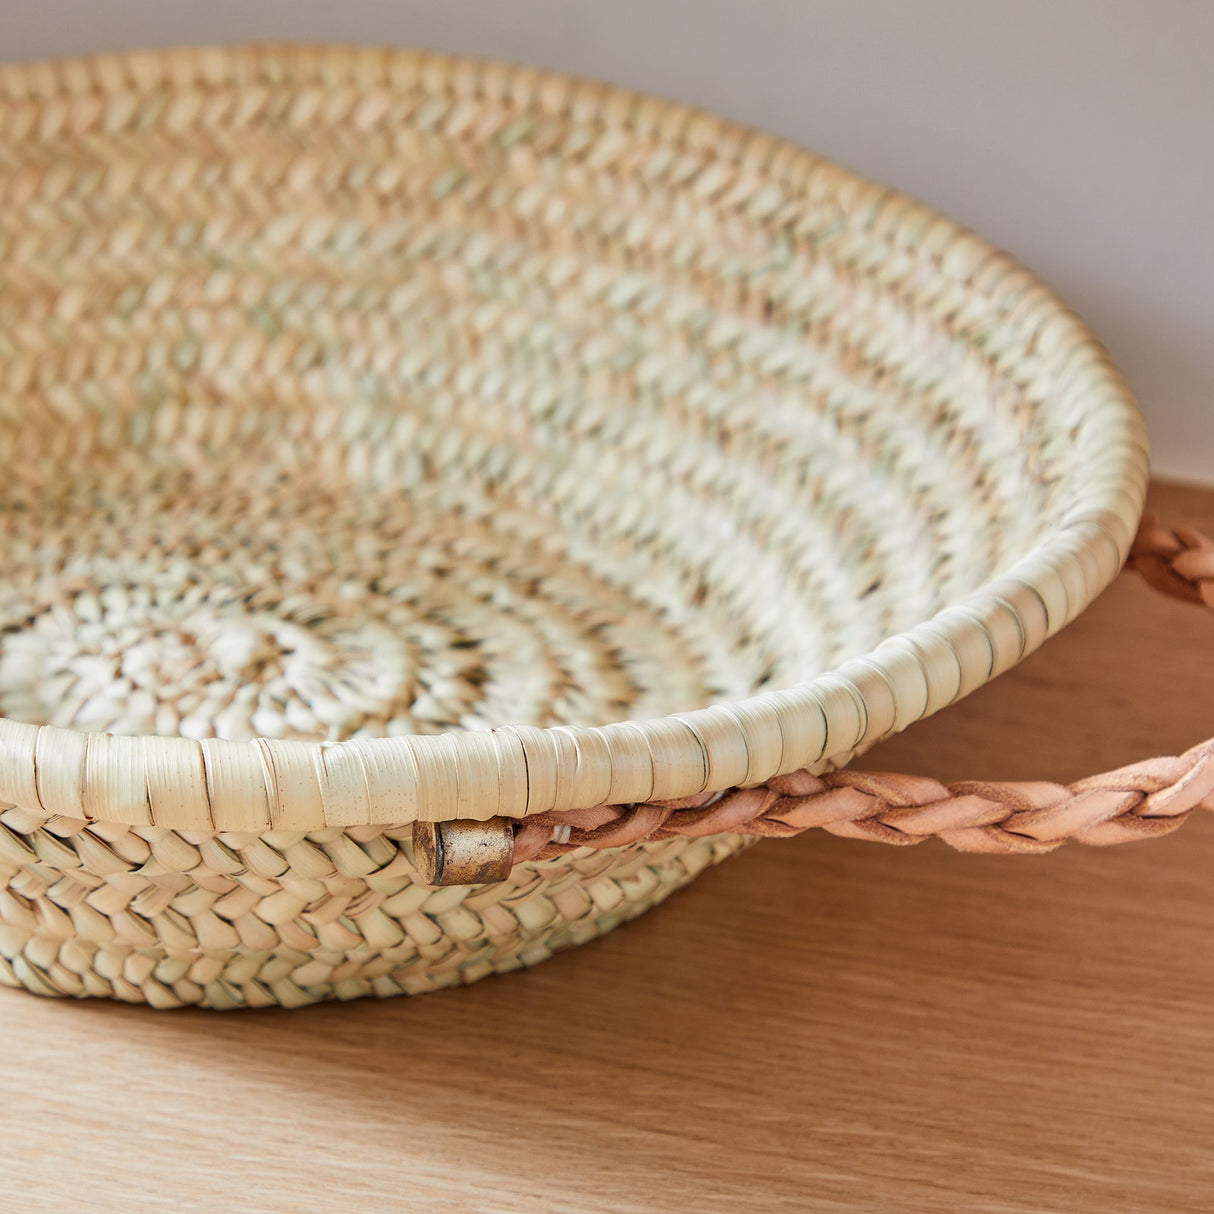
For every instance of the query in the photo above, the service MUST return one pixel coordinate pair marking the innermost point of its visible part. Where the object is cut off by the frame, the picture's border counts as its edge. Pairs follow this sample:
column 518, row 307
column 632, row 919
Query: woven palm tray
column 447, row 507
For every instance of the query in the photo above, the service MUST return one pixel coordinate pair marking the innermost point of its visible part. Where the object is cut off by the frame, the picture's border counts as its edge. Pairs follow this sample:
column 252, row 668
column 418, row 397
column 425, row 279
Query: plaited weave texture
column 148, row 915
column 390, row 437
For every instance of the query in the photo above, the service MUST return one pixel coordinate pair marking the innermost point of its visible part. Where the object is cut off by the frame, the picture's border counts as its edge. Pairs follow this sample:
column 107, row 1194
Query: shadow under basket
column 393, row 439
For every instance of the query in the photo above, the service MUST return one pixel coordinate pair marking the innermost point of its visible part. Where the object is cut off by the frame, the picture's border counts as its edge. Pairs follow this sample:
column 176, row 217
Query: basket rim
column 270, row 785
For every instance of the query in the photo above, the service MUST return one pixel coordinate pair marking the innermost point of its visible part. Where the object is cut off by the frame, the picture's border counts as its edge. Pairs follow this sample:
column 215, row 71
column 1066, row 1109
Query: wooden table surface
column 819, row 1025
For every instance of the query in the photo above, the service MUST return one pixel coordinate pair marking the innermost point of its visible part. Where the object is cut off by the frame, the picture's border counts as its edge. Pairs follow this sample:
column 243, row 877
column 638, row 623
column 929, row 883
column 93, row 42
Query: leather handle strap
column 1145, row 799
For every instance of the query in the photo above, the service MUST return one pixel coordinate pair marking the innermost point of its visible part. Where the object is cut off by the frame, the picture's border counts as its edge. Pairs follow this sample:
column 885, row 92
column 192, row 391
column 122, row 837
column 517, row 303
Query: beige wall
column 1079, row 134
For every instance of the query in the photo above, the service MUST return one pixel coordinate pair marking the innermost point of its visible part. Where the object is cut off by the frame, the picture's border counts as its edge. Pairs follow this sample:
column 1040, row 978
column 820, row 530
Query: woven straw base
column 388, row 436
column 169, row 918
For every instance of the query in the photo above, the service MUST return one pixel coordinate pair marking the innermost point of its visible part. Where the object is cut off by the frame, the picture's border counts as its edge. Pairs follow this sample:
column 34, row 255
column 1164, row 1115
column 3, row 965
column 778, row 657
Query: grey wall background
column 1079, row 134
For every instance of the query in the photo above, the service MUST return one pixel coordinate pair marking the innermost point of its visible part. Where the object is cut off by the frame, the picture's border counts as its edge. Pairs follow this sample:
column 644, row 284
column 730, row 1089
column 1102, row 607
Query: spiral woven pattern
column 390, row 437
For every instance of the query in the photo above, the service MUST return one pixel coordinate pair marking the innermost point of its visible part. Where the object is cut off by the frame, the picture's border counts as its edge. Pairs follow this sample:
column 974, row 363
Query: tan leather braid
column 1178, row 562
column 1140, row 801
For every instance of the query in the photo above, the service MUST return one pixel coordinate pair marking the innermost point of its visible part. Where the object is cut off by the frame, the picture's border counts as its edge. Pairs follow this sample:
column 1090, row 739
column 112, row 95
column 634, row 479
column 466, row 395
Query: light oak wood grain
column 821, row 1025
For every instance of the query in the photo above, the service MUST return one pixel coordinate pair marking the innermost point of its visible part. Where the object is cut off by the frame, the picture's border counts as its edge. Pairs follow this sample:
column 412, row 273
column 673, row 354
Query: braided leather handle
column 1145, row 799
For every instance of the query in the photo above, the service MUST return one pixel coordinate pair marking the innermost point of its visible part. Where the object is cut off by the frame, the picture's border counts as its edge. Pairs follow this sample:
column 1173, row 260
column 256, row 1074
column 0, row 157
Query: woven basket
column 395, row 439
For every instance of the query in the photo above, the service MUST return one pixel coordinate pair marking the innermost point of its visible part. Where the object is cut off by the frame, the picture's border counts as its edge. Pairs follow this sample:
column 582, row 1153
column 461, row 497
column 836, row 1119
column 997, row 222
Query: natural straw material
column 393, row 437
